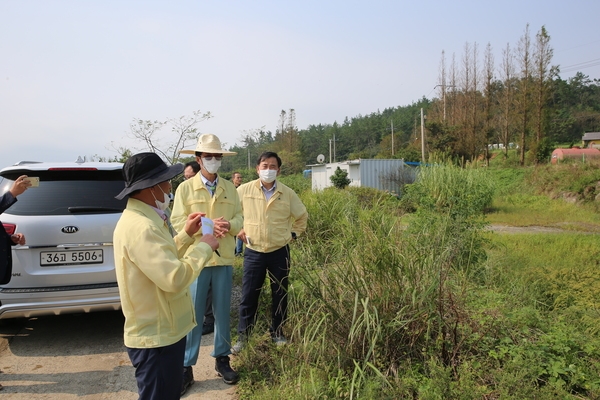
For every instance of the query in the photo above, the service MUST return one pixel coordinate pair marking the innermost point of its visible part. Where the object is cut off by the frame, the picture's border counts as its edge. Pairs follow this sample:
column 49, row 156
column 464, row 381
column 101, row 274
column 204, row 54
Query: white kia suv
column 67, row 264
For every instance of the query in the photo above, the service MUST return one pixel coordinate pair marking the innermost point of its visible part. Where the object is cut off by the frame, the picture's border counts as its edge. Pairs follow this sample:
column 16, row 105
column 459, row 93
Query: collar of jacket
column 146, row 210
column 258, row 185
column 198, row 184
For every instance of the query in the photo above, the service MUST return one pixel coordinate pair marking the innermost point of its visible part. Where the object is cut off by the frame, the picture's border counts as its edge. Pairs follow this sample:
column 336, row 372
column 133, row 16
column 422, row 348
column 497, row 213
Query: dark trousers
column 159, row 371
column 256, row 267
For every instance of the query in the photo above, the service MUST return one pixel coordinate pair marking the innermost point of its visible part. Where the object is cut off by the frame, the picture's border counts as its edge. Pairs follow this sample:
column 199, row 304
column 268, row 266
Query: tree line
column 519, row 103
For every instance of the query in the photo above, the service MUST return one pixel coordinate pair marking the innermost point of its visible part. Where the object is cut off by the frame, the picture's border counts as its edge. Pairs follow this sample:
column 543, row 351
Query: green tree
column 340, row 178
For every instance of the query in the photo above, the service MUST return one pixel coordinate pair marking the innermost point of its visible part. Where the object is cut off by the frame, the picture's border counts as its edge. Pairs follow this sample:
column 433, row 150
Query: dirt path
column 81, row 356
column 539, row 229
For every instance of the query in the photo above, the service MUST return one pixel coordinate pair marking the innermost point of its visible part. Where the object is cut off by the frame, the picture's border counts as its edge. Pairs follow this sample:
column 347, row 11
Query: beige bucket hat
column 209, row 143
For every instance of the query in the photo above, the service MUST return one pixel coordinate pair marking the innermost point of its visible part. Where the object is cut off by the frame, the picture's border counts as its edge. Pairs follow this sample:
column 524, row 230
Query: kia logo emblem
column 70, row 229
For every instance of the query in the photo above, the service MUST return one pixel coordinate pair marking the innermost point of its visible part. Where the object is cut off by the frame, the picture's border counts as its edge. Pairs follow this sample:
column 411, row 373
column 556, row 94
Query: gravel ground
column 81, row 356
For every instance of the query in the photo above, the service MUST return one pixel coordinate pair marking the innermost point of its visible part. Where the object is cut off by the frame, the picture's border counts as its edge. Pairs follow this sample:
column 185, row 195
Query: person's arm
column 20, row 185
column 299, row 213
column 158, row 259
column 237, row 222
column 179, row 214
column 6, row 200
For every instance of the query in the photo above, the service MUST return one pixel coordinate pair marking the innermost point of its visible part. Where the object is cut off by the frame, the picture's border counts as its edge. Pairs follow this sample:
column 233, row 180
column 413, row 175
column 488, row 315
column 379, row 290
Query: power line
column 586, row 64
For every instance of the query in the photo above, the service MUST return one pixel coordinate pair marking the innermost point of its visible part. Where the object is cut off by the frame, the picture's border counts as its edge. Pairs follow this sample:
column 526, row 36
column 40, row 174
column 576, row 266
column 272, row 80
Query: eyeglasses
column 208, row 158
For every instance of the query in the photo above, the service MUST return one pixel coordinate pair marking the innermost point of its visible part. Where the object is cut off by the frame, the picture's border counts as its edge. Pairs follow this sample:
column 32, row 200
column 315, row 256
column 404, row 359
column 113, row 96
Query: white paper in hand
column 208, row 226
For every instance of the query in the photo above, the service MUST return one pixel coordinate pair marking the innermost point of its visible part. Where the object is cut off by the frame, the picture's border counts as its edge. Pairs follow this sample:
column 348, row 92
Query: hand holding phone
column 33, row 180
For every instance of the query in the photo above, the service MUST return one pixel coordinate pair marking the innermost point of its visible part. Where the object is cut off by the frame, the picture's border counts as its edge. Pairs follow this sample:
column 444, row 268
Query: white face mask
column 212, row 166
column 267, row 175
column 162, row 205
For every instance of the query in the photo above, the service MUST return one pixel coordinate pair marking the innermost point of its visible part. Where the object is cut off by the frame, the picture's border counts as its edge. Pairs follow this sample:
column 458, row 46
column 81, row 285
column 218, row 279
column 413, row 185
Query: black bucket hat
column 144, row 170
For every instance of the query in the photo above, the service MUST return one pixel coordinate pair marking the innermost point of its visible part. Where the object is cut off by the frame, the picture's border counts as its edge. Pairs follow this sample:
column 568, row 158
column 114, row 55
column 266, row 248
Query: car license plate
column 74, row 257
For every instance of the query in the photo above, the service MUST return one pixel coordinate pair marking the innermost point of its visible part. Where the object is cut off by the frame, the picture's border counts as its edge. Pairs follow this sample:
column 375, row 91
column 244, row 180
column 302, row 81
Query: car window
column 68, row 192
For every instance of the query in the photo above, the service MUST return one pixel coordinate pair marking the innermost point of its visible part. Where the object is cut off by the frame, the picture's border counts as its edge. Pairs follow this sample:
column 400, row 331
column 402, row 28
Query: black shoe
column 207, row 328
column 188, row 379
column 224, row 370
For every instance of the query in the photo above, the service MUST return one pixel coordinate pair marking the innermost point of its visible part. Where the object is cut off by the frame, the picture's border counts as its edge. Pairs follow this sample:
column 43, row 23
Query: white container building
column 388, row 175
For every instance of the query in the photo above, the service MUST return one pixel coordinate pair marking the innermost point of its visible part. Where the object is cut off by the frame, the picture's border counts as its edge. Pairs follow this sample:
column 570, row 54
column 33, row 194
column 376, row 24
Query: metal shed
column 382, row 174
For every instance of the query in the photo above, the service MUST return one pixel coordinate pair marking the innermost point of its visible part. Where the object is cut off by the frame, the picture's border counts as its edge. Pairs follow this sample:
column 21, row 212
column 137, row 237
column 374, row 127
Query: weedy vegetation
column 415, row 298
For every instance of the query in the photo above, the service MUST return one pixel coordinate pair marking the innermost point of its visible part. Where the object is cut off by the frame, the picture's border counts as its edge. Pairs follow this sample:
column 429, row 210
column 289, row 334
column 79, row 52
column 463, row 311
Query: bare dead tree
column 506, row 100
column 542, row 57
column 453, row 85
column 477, row 137
column 489, row 99
column 183, row 134
column 440, row 108
column 462, row 104
column 147, row 132
column 470, row 136
column 524, row 89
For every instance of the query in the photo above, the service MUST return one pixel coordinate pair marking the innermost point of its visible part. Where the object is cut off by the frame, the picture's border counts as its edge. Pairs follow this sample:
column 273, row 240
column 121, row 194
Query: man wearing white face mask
column 273, row 216
column 217, row 198
column 154, row 272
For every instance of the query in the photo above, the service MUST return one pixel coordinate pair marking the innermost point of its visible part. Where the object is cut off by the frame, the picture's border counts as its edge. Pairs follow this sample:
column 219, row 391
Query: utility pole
column 422, row 139
column 248, row 157
column 392, row 121
column 330, row 142
column 334, row 147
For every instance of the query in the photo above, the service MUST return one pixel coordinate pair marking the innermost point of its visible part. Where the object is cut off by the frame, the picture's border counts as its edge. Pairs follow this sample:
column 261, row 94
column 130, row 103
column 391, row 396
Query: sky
column 75, row 74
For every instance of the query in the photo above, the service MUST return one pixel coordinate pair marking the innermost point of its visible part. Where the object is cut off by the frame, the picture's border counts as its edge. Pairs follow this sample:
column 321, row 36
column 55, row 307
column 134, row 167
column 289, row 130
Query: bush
column 372, row 300
column 340, row 178
column 450, row 189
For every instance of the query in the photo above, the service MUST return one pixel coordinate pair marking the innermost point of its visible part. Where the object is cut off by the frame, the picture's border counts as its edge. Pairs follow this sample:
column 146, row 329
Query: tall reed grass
column 430, row 305
column 376, row 306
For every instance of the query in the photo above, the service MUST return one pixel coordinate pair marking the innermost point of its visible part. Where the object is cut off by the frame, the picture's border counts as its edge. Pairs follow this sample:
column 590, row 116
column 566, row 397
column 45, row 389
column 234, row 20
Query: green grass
column 544, row 290
column 535, row 196
column 539, row 210
column 436, row 307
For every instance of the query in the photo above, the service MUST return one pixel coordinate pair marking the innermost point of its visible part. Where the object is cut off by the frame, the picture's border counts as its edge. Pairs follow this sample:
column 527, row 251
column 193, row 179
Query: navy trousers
column 159, row 371
column 256, row 268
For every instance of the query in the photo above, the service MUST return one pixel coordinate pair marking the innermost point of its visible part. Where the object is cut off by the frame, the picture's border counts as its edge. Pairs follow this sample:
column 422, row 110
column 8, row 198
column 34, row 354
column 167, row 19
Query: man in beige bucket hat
column 218, row 199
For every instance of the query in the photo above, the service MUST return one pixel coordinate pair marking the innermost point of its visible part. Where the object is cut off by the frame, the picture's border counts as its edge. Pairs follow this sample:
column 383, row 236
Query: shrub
column 340, row 178
column 450, row 189
column 372, row 300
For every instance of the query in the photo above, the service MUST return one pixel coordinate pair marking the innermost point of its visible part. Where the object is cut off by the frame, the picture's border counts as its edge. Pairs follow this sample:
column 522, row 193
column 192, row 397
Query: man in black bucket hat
column 154, row 272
